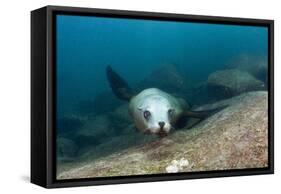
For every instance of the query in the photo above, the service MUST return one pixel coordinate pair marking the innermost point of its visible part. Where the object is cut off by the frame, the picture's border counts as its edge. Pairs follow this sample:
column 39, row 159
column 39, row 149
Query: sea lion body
column 153, row 110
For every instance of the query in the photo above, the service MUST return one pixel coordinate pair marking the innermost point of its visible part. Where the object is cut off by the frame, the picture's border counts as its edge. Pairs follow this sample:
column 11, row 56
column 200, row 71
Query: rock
column 115, row 144
column 198, row 95
column 120, row 118
column 167, row 78
column 103, row 103
column 122, row 113
column 255, row 65
column 94, row 130
column 68, row 125
column 100, row 129
column 228, row 83
column 66, row 149
column 234, row 138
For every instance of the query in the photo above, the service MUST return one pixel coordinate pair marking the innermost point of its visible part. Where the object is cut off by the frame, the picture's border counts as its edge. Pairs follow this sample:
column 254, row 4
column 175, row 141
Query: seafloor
column 234, row 138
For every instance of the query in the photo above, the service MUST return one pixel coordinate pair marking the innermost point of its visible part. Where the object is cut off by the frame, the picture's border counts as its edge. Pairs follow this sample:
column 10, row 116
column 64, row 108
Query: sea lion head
column 154, row 116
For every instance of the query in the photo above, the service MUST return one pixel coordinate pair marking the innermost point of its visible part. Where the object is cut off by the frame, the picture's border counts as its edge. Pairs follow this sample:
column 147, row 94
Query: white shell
column 172, row 169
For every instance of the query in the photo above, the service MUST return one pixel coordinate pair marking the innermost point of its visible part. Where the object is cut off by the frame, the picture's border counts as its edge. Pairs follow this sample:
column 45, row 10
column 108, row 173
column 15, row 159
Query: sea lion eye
column 146, row 114
column 170, row 112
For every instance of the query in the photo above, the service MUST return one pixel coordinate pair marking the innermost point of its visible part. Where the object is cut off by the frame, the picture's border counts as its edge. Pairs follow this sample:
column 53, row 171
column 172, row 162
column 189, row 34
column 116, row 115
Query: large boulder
column 120, row 118
column 98, row 129
column 234, row 138
column 253, row 64
column 69, row 124
column 103, row 103
column 66, row 149
column 231, row 82
column 94, row 130
column 167, row 78
column 121, row 114
column 198, row 95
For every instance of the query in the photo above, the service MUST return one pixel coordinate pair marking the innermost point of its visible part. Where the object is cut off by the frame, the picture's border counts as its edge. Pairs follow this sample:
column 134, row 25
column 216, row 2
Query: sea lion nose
column 161, row 124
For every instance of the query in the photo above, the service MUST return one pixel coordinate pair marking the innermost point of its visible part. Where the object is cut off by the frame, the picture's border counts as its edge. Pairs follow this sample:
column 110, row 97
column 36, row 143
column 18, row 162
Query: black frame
column 43, row 87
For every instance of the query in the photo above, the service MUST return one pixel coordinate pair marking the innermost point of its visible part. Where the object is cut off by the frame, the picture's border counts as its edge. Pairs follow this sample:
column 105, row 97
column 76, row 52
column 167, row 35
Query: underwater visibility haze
column 207, row 65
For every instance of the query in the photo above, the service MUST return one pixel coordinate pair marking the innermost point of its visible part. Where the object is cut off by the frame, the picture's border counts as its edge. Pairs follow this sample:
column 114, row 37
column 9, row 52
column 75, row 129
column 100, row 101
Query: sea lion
column 153, row 110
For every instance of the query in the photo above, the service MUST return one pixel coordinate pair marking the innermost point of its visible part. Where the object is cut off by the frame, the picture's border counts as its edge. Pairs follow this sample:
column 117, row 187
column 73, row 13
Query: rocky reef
column 168, row 77
column 66, row 149
column 234, row 138
column 97, row 135
column 232, row 82
column 256, row 65
column 102, row 103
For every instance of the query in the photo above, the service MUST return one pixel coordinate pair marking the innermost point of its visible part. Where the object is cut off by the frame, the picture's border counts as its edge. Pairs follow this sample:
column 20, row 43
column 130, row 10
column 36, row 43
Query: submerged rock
column 255, row 65
column 115, row 144
column 167, row 78
column 234, row 138
column 102, row 128
column 199, row 95
column 120, row 119
column 103, row 103
column 94, row 131
column 66, row 149
column 68, row 125
column 228, row 83
column 122, row 114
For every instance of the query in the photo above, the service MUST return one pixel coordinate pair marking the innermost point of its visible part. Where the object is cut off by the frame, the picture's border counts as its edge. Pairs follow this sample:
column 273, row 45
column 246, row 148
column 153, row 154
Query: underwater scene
column 139, row 97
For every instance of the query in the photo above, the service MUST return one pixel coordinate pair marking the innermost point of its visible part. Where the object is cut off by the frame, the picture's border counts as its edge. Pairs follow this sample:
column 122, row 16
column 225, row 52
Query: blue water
column 135, row 47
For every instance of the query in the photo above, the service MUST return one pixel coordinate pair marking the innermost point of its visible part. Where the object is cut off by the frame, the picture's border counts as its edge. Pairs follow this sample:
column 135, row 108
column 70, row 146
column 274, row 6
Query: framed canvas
column 126, row 96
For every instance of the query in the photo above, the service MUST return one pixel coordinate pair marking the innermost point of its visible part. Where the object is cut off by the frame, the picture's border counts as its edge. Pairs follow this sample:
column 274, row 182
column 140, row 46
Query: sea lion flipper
column 202, row 114
column 118, row 85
